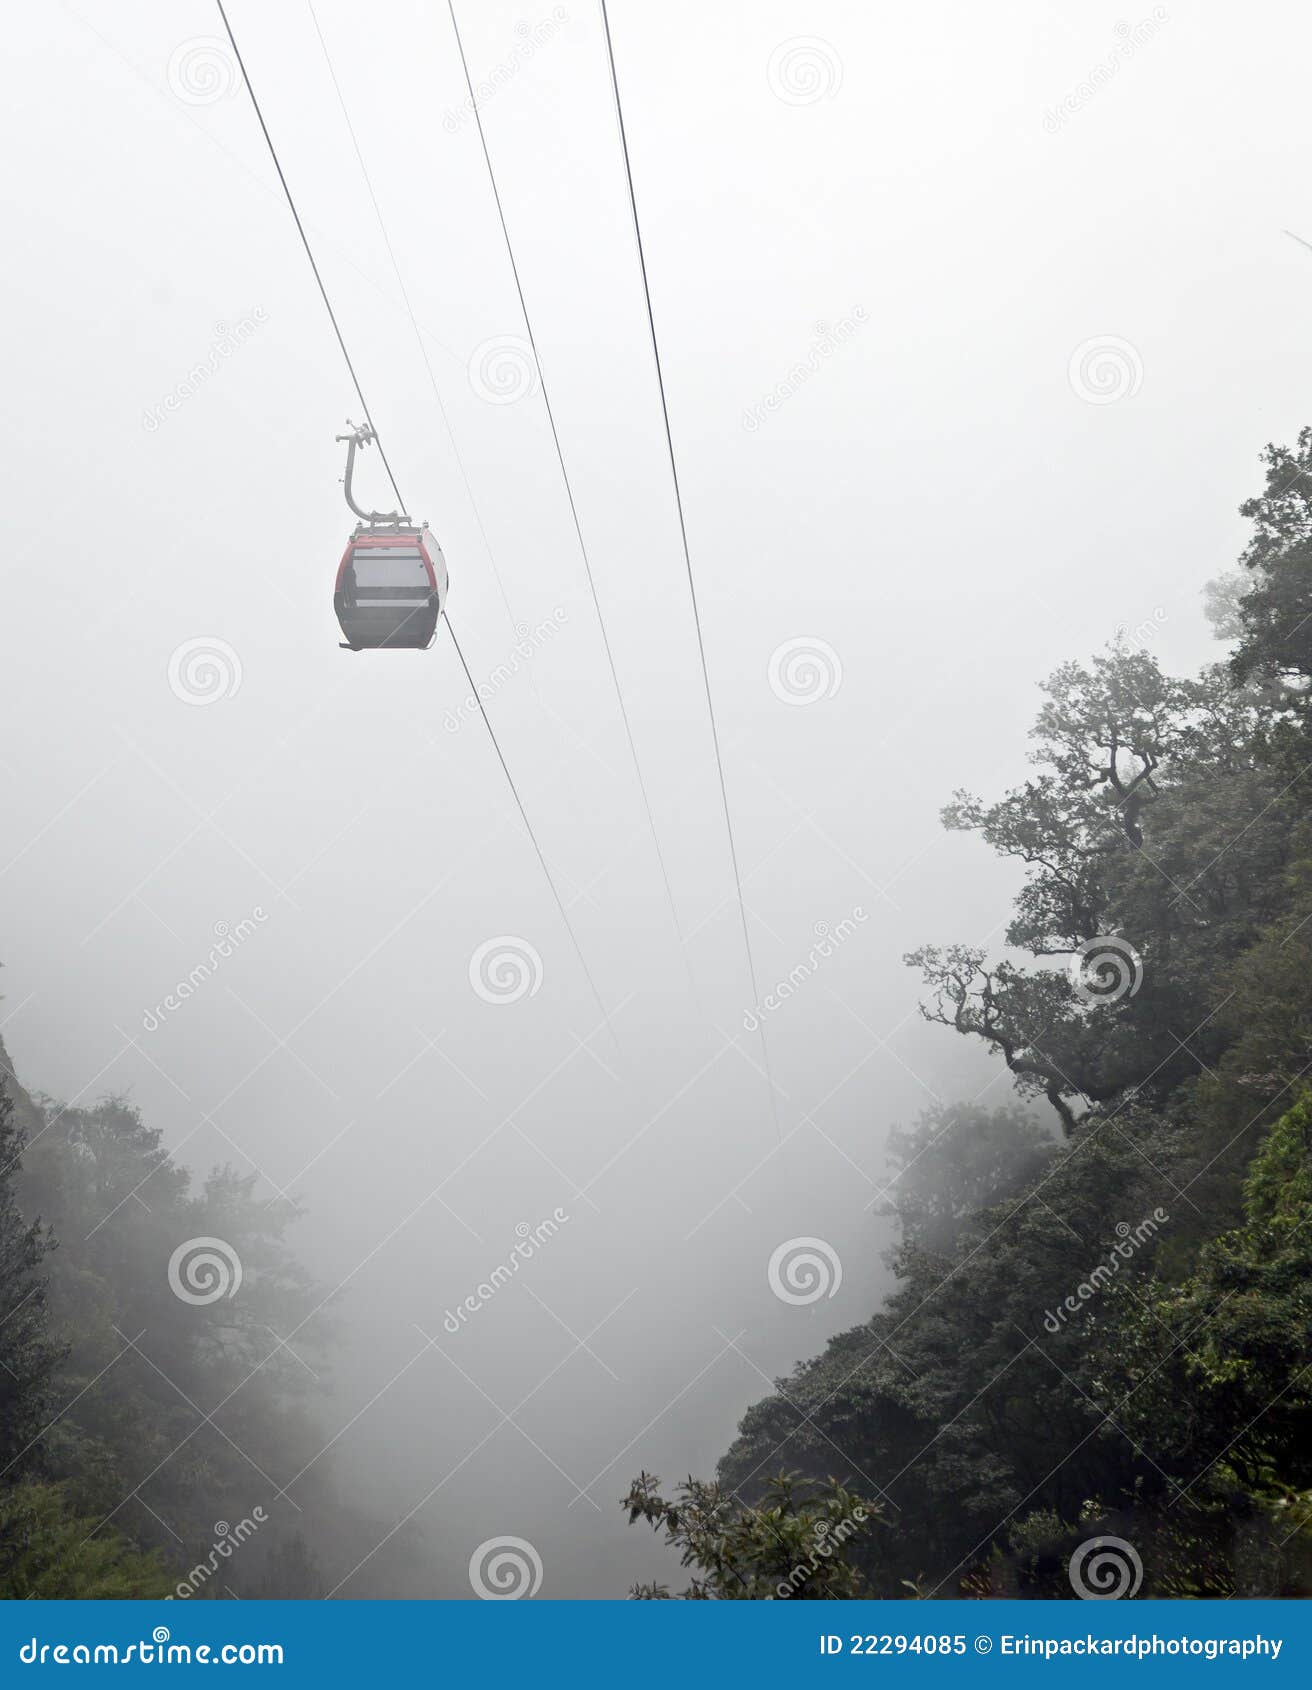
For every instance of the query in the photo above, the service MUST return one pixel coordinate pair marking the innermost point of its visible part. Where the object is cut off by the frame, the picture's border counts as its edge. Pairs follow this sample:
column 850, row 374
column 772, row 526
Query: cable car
column 392, row 581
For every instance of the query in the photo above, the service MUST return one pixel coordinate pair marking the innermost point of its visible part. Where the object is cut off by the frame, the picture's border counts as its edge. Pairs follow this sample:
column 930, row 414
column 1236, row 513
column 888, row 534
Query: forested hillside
column 1103, row 1324
column 157, row 1435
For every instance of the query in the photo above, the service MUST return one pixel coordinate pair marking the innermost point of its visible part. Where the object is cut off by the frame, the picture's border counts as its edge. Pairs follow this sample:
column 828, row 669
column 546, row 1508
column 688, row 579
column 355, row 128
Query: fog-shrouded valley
column 705, row 994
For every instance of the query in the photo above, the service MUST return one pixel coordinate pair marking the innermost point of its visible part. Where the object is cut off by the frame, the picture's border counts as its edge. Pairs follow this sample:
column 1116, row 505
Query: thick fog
column 969, row 345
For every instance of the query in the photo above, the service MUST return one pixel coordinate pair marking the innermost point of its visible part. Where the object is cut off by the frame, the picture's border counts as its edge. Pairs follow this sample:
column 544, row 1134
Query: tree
column 1275, row 613
column 956, row 1162
column 48, row 1552
column 1112, row 1338
column 791, row 1545
column 27, row 1355
column 1141, row 869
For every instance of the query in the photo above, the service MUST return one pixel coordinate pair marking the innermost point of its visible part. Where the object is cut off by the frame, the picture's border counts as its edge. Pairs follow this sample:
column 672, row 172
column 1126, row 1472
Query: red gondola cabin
column 391, row 588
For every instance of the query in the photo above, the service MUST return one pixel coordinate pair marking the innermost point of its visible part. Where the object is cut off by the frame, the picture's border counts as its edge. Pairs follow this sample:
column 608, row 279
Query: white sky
column 937, row 503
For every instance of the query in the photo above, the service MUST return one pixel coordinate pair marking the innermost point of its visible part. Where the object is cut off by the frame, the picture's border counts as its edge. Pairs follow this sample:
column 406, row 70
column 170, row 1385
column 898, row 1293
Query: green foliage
column 794, row 1544
column 136, row 1427
column 1275, row 613
column 27, row 1357
column 134, row 1440
column 956, row 1163
column 1112, row 1336
column 47, row 1552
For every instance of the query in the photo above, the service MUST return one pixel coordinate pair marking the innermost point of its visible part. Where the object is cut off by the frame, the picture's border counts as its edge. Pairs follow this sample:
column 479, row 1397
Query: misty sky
column 944, row 503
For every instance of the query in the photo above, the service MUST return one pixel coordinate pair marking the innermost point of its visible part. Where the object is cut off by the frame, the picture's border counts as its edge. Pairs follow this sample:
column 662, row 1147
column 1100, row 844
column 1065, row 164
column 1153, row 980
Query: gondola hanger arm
column 357, row 438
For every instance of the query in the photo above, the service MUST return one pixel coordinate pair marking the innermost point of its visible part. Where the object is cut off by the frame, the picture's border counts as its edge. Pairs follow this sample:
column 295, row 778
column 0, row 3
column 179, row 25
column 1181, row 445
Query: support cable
column 332, row 316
